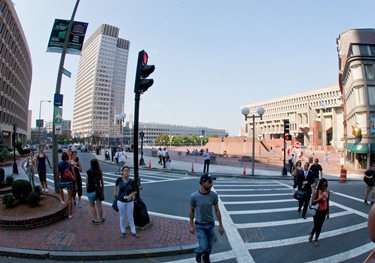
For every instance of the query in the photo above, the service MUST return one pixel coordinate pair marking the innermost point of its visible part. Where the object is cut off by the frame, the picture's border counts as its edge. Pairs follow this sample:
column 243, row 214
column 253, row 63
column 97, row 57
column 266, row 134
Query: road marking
column 253, row 190
column 298, row 240
column 346, row 255
column 259, row 202
column 254, row 195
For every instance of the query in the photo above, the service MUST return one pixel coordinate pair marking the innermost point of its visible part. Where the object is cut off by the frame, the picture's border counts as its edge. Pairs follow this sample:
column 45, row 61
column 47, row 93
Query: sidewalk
column 79, row 239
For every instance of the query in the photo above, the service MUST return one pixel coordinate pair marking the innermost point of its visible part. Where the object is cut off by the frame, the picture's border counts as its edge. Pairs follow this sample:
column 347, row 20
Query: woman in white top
column 30, row 167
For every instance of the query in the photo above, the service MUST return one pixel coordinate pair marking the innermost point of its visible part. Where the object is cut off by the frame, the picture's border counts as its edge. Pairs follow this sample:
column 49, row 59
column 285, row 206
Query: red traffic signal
column 288, row 137
column 143, row 71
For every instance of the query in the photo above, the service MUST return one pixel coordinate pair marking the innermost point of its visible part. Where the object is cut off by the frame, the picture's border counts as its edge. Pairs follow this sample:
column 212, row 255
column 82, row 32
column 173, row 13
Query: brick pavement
column 79, row 239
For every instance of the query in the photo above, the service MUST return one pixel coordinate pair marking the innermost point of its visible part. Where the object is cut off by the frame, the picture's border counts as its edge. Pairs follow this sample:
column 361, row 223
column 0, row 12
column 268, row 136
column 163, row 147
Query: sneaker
column 63, row 202
column 70, row 216
column 365, row 201
column 206, row 258
column 136, row 235
column 46, row 190
column 198, row 257
column 123, row 235
column 79, row 204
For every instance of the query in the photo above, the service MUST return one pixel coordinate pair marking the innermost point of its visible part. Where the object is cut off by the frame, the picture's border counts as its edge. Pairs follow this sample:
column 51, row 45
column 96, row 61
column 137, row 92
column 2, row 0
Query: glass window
column 371, row 95
column 358, row 95
column 356, row 71
column 369, row 70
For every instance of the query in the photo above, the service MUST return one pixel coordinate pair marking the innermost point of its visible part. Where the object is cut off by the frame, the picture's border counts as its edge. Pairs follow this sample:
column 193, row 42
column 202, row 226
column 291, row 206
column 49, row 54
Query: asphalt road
column 260, row 218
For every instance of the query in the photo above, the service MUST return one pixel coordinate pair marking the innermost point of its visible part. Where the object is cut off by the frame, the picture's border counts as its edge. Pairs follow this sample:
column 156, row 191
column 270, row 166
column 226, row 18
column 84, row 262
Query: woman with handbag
column 126, row 192
column 321, row 195
column 95, row 190
column 77, row 167
column 66, row 183
column 297, row 167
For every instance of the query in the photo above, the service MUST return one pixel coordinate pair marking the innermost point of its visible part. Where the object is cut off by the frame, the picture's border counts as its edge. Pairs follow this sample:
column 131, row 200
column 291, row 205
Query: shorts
column 42, row 174
column 67, row 185
column 119, row 164
column 92, row 197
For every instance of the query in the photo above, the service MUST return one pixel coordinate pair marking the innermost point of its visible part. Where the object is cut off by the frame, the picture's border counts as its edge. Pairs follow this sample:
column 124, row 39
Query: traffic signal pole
column 58, row 89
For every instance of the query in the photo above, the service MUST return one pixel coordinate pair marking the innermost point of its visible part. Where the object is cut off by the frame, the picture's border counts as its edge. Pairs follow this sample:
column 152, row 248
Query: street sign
column 39, row 123
column 57, row 116
column 57, row 129
column 297, row 145
column 58, row 100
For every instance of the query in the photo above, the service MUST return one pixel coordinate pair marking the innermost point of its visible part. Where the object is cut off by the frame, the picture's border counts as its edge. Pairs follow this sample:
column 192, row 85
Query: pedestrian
column 371, row 224
column 69, row 153
column 42, row 168
column 297, row 167
column 305, row 178
column 30, row 167
column 168, row 161
column 321, row 195
column 369, row 179
column 77, row 167
column 163, row 155
column 326, row 159
column 94, row 180
column 125, row 200
column 291, row 163
column 121, row 157
column 65, row 183
column 160, row 156
column 207, row 158
column 317, row 169
column 202, row 221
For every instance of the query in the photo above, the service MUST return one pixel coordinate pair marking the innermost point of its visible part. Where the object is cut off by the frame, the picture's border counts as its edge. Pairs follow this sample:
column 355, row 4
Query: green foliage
column 33, row 199
column 19, row 147
column 8, row 200
column 9, row 180
column 164, row 139
column 5, row 152
column 2, row 175
column 38, row 189
column 21, row 189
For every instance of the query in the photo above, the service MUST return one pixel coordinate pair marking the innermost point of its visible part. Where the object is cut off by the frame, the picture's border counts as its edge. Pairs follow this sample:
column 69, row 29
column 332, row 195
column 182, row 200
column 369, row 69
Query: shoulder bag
column 99, row 192
column 300, row 194
column 68, row 174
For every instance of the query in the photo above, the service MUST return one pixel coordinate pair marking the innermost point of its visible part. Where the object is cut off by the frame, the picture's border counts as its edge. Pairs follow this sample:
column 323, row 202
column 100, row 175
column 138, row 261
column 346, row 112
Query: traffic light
column 143, row 71
column 288, row 137
column 286, row 127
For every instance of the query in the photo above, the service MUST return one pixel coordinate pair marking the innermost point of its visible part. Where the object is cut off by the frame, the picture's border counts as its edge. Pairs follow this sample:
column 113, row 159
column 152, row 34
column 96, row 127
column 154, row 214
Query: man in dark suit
column 305, row 179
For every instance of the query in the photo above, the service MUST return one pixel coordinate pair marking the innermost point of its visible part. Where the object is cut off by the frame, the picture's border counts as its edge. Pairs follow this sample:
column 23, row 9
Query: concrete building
column 315, row 118
column 356, row 50
column 15, row 75
column 100, row 87
column 153, row 130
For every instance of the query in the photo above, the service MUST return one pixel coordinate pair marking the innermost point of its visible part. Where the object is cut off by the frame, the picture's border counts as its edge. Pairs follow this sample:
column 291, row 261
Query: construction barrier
column 149, row 165
column 244, row 171
column 192, row 168
column 342, row 174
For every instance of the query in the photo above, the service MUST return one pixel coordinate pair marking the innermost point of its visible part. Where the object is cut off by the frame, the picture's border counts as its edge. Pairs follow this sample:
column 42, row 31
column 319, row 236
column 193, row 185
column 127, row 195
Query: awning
column 372, row 147
column 359, row 148
column 348, row 146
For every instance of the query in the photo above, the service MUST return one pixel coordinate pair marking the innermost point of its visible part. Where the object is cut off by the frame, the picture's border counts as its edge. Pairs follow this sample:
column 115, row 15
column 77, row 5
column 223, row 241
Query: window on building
column 359, row 95
column 369, row 71
column 371, row 95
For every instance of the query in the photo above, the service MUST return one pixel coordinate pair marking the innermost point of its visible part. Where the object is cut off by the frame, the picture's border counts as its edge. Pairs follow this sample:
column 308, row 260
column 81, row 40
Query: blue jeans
column 205, row 235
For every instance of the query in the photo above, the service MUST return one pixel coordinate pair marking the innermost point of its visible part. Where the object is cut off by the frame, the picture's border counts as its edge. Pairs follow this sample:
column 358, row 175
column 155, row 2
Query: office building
column 356, row 50
column 100, row 87
column 15, row 76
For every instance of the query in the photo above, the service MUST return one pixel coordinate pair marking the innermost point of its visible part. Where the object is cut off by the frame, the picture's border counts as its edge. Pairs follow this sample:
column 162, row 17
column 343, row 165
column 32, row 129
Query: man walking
column 201, row 204
column 207, row 157
column 305, row 179
column 369, row 178
column 316, row 168
column 160, row 156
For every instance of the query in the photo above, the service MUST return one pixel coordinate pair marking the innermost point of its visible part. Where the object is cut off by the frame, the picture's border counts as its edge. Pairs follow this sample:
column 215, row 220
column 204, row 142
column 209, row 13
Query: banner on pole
column 76, row 37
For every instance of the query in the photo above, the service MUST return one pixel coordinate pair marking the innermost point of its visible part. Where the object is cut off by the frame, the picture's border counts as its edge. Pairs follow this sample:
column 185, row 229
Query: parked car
column 59, row 150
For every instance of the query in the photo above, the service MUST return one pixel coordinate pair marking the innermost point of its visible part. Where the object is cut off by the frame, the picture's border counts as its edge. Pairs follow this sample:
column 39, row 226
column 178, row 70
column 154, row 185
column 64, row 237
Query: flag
column 323, row 104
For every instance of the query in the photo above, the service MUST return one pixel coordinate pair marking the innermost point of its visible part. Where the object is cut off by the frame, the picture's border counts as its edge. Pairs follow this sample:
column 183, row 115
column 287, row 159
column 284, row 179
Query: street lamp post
column 15, row 168
column 201, row 136
column 121, row 117
column 245, row 112
column 40, row 110
column 170, row 140
column 142, row 161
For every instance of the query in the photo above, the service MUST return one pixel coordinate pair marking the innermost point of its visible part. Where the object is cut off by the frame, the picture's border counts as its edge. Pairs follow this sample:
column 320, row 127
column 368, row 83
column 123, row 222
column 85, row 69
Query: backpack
column 68, row 174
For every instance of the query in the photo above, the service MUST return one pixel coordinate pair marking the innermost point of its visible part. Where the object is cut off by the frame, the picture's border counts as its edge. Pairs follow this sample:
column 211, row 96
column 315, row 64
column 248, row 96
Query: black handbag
column 114, row 205
column 300, row 195
column 99, row 193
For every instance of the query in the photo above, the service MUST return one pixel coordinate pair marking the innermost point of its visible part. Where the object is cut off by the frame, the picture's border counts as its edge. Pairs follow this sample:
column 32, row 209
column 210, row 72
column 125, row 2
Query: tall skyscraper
column 100, row 87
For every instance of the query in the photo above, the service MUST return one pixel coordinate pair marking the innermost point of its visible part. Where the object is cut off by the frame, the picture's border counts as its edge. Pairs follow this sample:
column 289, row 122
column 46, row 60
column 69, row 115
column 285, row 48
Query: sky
column 211, row 56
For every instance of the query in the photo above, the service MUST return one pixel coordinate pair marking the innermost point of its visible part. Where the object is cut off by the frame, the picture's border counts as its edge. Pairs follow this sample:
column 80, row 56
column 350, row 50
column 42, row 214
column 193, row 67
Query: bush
column 21, row 189
column 8, row 200
column 2, row 175
column 33, row 199
column 9, row 179
column 38, row 189
column 5, row 152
